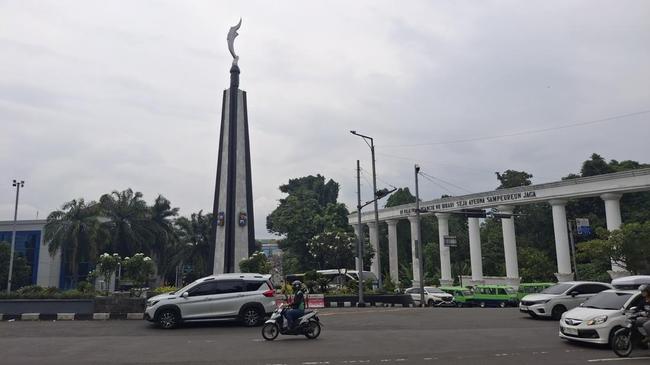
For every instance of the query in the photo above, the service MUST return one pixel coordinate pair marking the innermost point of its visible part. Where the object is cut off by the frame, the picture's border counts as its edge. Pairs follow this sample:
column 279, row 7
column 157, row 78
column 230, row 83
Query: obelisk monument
column 233, row 195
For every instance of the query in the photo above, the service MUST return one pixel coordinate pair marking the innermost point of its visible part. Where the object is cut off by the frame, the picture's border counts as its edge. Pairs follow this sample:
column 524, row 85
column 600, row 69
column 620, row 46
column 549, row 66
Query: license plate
column 571, row 331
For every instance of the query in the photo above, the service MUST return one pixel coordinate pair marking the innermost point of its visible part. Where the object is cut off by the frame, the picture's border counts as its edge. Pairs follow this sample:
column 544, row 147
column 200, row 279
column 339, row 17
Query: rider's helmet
column 297, row 285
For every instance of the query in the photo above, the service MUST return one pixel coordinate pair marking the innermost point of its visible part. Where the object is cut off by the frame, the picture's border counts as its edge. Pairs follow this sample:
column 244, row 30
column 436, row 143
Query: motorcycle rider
column 298, row 306
column 645, row 321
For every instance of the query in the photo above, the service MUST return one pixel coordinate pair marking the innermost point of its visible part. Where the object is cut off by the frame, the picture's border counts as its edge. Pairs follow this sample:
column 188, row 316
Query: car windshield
column 184, row 289
column 607, row 300
column 434, row 290
column 511, row 291
column 556, row 289
column 466, row 292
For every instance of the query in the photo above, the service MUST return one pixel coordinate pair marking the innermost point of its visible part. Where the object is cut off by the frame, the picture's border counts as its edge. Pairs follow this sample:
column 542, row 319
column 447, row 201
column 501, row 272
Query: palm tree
column 126, row 224
column 165, row 245
column 73, row 229
column 195, row 235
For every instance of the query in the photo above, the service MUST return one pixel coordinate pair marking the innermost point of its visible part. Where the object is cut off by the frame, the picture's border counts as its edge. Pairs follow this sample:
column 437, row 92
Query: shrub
column 164, row 289
column 85, row 287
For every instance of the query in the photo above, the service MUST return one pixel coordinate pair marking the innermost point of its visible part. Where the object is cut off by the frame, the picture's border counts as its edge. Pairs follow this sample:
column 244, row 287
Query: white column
column 509, row 243
column 393, row 262
column 415, row 260
column 612, row 210
column 614, row 221
column 374, row 242
column 475, row 249
column 564, row 272
column 445, row 257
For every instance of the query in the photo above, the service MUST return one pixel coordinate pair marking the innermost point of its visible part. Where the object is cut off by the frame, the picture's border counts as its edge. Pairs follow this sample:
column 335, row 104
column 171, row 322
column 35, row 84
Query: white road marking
column 620, row 359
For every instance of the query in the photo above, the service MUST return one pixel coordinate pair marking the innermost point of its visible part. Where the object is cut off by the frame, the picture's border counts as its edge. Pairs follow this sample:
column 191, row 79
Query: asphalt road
column 350, row 337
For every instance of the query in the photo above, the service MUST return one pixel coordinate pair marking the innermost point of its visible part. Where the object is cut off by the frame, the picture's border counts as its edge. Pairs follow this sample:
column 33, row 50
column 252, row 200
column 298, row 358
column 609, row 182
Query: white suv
column 246, row 297
column 559, row 298
column 432, row 296
column 600, row 316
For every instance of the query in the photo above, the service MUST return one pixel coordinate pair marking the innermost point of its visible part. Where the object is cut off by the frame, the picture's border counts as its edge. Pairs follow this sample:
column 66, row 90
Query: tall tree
column 195, row 235
column 127, row 227
column 73, row 229
column 513, row 179
column 308, row 210
column 21, row 271
column 162, row 227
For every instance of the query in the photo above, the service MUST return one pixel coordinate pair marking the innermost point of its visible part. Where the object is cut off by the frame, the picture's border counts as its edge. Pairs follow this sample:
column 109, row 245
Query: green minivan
column 531, row 288
column 495, row 296
column 462, row 295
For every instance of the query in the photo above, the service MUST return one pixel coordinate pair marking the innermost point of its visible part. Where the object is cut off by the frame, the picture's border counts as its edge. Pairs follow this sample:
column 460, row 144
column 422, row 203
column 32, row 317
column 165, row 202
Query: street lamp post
column 374, row 190
column 18, row 185
column 418, row 237
column 360, row 240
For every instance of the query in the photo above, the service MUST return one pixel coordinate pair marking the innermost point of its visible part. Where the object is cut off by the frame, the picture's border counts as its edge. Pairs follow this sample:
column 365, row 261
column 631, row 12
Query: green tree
column 195, row 236
column 127, row 228
column 74, row 230
column 308, row 210
column 165, row 241
column 106, row 266
column 513, row 179
column 139, row 269
column 256, row 263
column 22, row 272
column 630, row 245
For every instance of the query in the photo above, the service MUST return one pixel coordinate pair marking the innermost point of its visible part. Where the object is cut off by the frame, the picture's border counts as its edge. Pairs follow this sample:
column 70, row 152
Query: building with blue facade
column 46, row 268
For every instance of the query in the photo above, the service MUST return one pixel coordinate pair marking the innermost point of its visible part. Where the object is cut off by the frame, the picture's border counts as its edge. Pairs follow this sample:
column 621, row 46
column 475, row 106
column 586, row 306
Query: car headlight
column 151, row 303
column 597, row 320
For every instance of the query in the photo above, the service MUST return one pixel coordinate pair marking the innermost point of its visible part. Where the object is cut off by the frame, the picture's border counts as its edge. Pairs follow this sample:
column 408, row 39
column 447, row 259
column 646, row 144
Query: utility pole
column 359, row 239
column 418, row 237
column 18, row 185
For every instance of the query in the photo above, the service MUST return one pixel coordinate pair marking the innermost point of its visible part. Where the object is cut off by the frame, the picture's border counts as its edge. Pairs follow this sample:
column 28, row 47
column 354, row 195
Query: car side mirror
column 633, row 309
column 582, row 304
column 185, row 294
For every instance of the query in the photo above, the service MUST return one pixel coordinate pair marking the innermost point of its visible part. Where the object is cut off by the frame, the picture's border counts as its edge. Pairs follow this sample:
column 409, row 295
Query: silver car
column 245, row 297
column 559, row 298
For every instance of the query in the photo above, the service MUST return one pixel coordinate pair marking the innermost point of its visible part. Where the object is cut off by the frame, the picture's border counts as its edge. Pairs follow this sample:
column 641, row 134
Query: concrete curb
column 371, row 304
column 70, row 316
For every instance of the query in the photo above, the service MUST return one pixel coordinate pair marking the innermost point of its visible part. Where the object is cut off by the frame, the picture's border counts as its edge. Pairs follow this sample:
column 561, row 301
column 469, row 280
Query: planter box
column 119, row 304
column 46, row 306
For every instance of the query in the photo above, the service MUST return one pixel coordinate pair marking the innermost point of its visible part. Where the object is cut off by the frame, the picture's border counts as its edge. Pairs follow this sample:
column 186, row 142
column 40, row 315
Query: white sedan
column 597, row 319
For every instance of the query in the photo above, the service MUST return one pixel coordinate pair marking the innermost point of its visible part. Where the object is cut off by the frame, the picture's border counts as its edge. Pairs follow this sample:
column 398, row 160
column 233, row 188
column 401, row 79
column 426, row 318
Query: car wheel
column 482, row 304
column 459, row 305
column 556, row 312
column 502, row 304
column 430, row 303
column 168, row 319
column 251, row 316
column 611, row 335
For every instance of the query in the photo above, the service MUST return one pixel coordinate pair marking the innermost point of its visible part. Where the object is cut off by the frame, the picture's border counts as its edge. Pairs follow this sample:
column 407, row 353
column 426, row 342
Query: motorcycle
column 308, row 325
column 631, row 335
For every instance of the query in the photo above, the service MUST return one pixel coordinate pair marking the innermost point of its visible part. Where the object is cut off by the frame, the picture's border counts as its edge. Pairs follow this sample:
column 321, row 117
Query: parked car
column 432, row 296
column 462, row 296
column 245, row 297
column 559, row 298
column 494, row 296
column 531, row 288
column 631, row 282
column 599, row 317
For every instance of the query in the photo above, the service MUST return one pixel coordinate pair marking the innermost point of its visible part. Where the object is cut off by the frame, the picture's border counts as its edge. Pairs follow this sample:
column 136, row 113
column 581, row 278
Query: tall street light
column 360, row 235
column 374, row 194
column 18, row 185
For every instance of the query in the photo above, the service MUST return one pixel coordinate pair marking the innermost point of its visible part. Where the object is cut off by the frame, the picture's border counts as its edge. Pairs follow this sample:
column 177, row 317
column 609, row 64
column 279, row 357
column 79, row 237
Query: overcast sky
column 103, row 95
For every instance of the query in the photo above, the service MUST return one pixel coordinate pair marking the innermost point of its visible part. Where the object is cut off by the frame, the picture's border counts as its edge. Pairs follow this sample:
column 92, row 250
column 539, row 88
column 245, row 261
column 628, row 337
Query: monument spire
column 233, row 198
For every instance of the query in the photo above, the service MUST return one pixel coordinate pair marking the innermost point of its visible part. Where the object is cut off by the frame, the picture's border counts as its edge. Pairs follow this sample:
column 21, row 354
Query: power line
column 534, row 131
column 446, row 182
column 434, row 182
